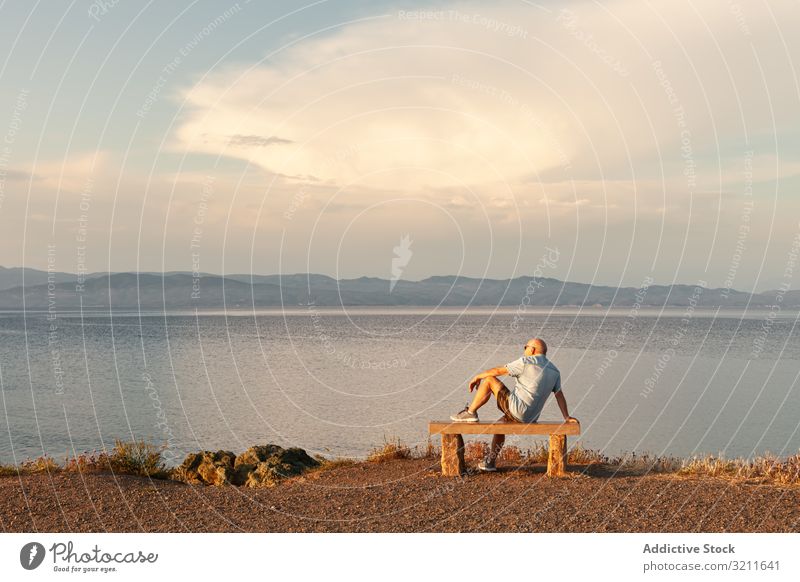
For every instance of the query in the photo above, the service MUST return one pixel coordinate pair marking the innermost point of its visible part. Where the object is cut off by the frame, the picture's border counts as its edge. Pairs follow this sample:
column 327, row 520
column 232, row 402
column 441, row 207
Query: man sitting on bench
column 536, row 377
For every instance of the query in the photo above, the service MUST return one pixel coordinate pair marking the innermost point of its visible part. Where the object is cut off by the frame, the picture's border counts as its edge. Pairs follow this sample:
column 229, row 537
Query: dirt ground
column 400, row 496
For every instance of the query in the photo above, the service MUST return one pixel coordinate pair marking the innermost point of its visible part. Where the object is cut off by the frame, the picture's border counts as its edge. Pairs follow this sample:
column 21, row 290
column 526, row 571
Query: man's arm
column 493, row 372
column 562, row 404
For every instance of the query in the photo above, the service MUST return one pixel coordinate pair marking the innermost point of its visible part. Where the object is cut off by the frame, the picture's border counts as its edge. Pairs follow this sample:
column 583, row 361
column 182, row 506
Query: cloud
column 378, row 105
column 588, row 105
column 258, row 141
column 17, row 175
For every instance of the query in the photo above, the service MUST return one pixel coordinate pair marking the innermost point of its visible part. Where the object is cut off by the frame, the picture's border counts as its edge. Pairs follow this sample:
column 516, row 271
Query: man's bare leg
column 486, row 388
column 498, row 441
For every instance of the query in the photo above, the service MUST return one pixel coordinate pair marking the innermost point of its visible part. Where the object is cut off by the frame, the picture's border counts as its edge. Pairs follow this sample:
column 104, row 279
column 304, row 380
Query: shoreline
column 295, row 310
column 145, row 459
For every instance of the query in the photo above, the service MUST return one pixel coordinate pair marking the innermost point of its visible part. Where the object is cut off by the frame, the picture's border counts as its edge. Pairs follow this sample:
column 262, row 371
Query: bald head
column 536, row 346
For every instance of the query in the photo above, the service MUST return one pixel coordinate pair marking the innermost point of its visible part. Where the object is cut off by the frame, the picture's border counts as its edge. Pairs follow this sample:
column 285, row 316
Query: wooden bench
column 453, row 443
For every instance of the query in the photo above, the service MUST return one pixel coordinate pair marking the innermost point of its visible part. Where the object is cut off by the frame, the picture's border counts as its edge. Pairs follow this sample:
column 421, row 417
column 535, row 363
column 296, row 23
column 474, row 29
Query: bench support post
column 557, row 457
column 453, row 464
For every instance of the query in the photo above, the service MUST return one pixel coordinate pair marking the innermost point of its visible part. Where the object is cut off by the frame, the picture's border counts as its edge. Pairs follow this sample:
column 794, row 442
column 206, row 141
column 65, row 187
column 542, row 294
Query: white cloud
column 447, row 102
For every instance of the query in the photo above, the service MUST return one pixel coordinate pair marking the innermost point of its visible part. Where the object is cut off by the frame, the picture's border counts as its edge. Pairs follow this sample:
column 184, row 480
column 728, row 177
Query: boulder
column 255, row 455
column 259, row 466
column 207, row 467
column 264, row 466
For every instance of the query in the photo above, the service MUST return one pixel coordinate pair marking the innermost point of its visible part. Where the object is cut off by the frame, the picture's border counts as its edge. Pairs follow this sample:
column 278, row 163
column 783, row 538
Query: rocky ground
column 399, row 496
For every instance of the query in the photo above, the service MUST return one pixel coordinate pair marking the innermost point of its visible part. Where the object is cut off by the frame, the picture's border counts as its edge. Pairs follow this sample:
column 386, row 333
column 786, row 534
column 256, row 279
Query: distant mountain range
column 181, row 290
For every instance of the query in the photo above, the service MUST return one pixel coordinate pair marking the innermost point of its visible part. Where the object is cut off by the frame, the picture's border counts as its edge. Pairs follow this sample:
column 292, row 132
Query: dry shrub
column 580, row 456
column 511, row 454
column 137, row 458
column 785, row 472
column 43, row 464
column 646, row 463
column 430, row 451
column 765, row 469
column 144, row 459
column 537, row 454
column 127, row 458
column 8, row 471
column 88, row 463
column 711, row 466
column 390, row 451
column 475, row 451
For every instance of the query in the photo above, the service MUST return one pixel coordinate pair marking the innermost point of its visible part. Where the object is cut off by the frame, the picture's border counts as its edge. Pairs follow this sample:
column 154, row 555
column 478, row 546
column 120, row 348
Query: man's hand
column 493, row 373
column 562, row 404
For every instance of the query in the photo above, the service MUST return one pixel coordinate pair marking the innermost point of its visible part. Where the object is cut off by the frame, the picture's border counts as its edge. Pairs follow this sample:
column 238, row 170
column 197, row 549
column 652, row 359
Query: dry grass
column 127, row 458
column 475, row 451
column 512, row 455
column 390, row 451
column 537, row 454
column 765, row 469
column 43, row 464
column 144, row 459
column 645, row 463
column 579, row 456
column 138, row 458
column 430, row 451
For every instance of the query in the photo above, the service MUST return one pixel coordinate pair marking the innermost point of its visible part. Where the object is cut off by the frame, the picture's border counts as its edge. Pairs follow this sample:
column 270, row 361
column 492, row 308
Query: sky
column 633, row 140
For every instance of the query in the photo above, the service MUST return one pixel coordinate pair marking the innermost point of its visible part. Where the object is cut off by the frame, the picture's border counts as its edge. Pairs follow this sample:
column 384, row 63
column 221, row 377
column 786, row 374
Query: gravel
column 400, row 496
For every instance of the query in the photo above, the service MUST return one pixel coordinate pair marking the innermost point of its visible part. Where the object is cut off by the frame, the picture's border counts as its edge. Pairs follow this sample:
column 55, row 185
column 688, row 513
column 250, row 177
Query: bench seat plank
column 540, row 428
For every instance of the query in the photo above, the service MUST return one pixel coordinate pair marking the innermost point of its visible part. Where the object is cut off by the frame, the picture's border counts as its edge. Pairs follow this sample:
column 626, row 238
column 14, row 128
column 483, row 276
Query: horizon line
column 202, row 274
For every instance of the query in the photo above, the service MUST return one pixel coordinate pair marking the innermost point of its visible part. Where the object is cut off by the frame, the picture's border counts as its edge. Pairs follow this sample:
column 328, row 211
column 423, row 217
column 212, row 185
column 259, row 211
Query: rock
column 259, row 466
column 247, row 462
column 272, row 463
column 207, row 467
column 255, row 455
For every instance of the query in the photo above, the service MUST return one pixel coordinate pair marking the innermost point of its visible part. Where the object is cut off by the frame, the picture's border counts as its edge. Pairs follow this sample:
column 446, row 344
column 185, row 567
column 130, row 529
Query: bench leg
column 453, row 455
column 557, row 458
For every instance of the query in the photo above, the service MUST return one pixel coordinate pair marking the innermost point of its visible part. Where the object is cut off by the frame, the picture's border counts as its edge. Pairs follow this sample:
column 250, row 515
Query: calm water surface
column 339, row 383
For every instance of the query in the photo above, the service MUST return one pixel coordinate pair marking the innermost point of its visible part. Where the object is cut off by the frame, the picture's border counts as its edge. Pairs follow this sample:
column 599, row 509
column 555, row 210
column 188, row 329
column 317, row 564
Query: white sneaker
column 487, row 466
column 465, row 416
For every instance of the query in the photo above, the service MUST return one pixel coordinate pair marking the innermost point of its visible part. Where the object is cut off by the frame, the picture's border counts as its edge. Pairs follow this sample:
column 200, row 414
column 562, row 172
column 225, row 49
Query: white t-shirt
column 537, row 377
